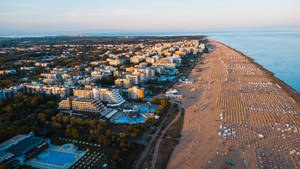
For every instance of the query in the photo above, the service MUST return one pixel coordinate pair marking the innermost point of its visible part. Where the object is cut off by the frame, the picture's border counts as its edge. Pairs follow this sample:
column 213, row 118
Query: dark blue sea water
column 278, row 52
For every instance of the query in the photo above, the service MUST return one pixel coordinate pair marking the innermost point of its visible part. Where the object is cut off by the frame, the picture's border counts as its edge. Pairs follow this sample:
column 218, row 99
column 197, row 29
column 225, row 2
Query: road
column 145, row 152
column 156, row 150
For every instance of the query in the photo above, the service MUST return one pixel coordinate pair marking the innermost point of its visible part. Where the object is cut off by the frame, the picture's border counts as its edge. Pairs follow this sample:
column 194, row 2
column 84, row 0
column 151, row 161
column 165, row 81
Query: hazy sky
column 101, row 16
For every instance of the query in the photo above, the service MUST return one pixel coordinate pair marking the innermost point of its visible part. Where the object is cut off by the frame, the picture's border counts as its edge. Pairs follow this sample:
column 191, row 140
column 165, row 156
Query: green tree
column 155, row 100
column 101, row 139
column 107, row 142
column 73, row 120
column 75, row 132
column 93, row 124
column 122, row 135
column 68, row 131
column 42, row 116
column 122, row 144
column 51, row 103
column 66, row 119
column 152, row 120
column 108, row 132
column 163, row 103
column 158, row 112
column 5, row 166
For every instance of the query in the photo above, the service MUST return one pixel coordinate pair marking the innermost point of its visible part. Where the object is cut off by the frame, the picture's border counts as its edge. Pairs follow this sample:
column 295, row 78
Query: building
column 135, row 93
column 137, row 59
column 112, row 96
column 165, row 63
column 12, row 71
column 27, row 68
column 116, row 62
column 83, row 93
column 15, row 151
column 10, row 92
column 83, row 104
column 49, row 75
column 125, row 83
column 49, row 90
column 134, row 79
column 6, row 93
column 41, row 64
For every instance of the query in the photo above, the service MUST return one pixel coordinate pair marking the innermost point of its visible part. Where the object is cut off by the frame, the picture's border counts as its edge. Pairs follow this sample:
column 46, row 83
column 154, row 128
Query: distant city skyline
column 33, row 17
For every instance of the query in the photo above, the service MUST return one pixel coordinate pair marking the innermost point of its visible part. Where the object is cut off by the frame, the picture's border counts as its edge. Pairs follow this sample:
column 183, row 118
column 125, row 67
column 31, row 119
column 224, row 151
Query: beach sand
column 251, row 102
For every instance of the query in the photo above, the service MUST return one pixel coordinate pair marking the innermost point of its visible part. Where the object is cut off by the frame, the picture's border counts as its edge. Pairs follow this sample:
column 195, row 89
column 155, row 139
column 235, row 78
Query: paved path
column 145, row 152
column 156, row 150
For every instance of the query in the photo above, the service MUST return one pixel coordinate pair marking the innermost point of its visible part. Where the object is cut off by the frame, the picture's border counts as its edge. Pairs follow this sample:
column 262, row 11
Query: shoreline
column 284, row 86
column 245, row 109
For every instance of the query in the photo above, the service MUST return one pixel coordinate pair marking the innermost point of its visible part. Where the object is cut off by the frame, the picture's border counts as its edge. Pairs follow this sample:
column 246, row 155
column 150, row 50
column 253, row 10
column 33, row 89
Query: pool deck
column 39, row 161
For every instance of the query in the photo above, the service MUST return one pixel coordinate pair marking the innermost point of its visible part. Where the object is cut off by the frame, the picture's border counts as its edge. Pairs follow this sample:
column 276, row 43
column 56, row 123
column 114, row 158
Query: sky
column 31, row 17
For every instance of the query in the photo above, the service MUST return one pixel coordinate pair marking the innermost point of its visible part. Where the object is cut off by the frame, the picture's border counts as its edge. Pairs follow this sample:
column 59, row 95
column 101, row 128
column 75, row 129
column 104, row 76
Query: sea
column 279, row 52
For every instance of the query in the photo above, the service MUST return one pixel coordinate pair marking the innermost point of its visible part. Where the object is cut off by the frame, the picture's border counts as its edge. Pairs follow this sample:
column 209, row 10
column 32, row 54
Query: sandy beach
column 235, row 110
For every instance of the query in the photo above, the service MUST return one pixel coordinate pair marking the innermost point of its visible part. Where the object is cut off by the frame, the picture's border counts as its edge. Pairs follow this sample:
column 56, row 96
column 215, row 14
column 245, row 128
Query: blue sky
column 107, row 16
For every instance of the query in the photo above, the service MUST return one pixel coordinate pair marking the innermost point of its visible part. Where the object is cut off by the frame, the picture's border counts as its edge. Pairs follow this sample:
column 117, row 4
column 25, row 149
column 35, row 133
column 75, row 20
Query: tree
column 103, row 123
column 48, row 112
column 68, row 131
column 122, row 144
column 133, row 135
column 79, row 121
column 101, row 139
column 122, row 135
column 163, row 103
column 66, row 119
column 106, row 142
column 108, row 132
column 75, row 132
column 158, row 112
column 51, row 103
column 116, row 156
column 152, row 120
column 43, row 106
column 93, row 124
column 42, row 116
column 73, row 120
column 53, row 118
column 36, row 100
column 97, row 132
column 134, row 129
column 156, row 100
column 124, row 149
column 5, row 166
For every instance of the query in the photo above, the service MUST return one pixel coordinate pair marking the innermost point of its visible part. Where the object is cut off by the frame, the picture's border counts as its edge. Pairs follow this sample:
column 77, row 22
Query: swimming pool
column 137, row 119
column 146, row 108
column 130, row 120
column 123, row 119
column 66, row 146
column 56, row 158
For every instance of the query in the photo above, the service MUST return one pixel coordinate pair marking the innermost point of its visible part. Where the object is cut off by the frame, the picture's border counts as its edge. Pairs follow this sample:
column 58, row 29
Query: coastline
column 284, row 86
column 248, row 113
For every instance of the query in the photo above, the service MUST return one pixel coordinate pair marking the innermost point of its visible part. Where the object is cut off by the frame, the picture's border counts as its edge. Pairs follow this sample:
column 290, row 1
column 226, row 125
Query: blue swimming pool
column 130, row 120
column 57, row 158
column 123, row 119
column 67, row 146
column 138, row 119
column 147, row 108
